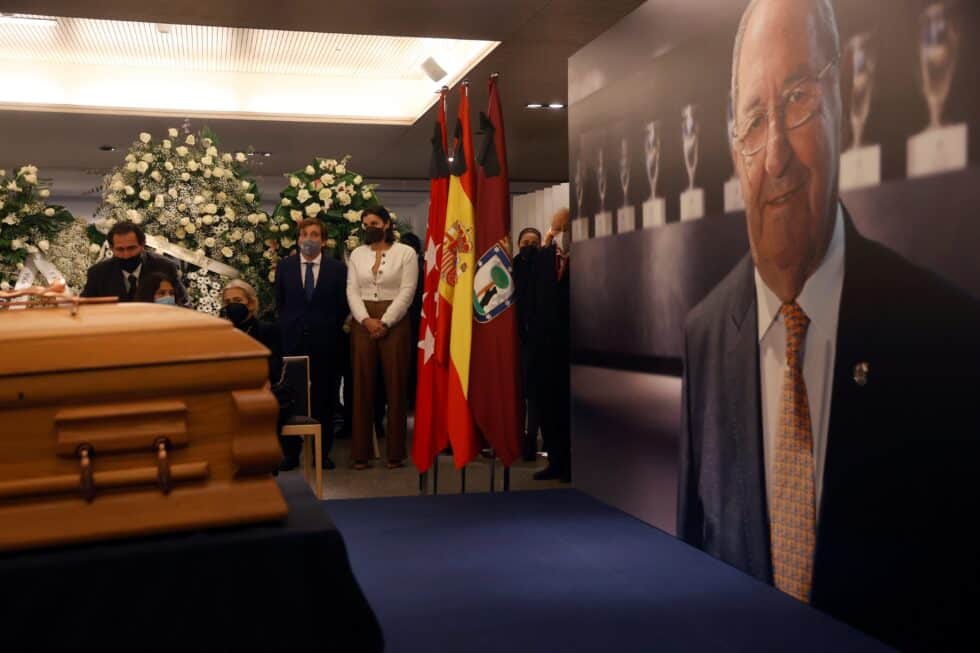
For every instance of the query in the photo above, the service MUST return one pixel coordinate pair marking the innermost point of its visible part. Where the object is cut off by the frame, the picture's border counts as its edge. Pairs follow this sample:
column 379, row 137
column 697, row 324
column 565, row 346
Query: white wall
column 535, row 209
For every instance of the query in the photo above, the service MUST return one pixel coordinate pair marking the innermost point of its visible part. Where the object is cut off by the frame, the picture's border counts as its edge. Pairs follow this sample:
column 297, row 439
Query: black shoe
column 549, row 473
column 289, row 463
column 327, row 463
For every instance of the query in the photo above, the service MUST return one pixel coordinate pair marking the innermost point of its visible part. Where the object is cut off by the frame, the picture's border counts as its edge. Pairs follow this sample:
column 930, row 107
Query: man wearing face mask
column 312, row 305
column 130, row 267
column 548, row 335
column 528, row 242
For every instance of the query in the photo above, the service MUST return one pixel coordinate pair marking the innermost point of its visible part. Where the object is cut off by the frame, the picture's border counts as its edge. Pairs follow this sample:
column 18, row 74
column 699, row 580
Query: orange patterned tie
column 792, row 505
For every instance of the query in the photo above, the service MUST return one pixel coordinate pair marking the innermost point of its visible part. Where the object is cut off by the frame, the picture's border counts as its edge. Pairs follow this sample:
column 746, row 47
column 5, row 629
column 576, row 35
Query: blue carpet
column 558, row 570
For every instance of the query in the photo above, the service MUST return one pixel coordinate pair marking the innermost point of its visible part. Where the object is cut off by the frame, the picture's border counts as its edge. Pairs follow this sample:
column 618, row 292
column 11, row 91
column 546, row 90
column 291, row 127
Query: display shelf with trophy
column 860, row 165
column 626, row 214
column 603, row 219
column 654, row 209
column 940, row 148
column 692, row 199
column 580, row 223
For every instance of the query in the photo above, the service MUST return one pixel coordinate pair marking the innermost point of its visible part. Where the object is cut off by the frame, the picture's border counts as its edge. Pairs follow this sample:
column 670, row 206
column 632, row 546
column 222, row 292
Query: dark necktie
column 309, row 284
column 132, row 281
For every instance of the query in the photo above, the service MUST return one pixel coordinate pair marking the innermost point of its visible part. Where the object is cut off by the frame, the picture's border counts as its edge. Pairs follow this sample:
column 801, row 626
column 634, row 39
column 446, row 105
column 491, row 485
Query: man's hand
column 549, row 237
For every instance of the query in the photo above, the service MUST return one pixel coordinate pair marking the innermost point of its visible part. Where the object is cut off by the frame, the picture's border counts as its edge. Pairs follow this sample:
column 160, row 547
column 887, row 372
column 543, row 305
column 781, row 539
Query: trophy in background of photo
column 861, row 164
column 626, row 214
column 603, row 219
column 939, row 148
column 654, row 210
column 692, row 200
column 580, row 225
column 733, row 187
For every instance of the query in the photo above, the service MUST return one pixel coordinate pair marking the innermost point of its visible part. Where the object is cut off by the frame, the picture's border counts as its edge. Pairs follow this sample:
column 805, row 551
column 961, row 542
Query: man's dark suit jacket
column 322, row 318
column 105, row 278
column 893, row 553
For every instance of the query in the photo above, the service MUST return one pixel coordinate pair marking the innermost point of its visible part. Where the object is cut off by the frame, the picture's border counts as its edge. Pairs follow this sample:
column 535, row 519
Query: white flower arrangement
column 194, row 196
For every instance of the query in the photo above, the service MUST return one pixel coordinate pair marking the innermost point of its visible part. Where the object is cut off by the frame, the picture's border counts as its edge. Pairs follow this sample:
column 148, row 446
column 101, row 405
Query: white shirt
column 397, row 277
column 820, row 300
column 316, row 269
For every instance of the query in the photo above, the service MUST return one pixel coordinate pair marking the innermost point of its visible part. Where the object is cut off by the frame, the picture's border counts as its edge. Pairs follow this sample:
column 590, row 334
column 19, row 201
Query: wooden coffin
column 131, row 419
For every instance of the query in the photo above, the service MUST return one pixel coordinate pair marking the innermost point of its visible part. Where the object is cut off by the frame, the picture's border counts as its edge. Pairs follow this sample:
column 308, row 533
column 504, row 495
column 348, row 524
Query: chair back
column 296, row 377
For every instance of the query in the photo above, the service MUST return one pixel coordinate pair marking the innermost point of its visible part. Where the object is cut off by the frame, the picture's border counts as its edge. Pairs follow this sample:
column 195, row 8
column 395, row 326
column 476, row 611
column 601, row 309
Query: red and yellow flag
column 458, row 261
column 431, row 435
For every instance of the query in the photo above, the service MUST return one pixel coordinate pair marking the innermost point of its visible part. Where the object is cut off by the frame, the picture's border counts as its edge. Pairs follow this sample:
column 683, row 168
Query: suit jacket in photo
column 314, row 325
column 900, row 488
column 105, row 278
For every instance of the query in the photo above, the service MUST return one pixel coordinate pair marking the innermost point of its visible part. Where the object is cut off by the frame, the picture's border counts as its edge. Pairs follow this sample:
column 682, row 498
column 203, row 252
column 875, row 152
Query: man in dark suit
column 311, row 298
column 828, row 436
column 120, row 276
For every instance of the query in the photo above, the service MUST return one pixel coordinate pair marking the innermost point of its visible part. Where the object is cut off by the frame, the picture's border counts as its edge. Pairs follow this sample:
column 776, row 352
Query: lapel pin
column 861, row 371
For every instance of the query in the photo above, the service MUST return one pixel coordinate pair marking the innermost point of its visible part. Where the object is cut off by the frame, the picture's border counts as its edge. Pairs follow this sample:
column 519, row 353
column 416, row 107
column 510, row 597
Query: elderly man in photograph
column 829, row 433
column 130, row 265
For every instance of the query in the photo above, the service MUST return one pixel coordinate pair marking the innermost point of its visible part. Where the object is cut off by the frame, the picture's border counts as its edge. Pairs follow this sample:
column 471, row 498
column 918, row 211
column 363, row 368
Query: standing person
column 829, row 432
column 549, row 340
column 120, row 275
column 312, row 308
column 380, row 287
column 528, row 242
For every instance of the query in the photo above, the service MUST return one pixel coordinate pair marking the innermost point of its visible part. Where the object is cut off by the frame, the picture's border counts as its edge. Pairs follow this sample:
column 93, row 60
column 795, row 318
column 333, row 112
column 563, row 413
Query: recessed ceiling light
column 556, row 105
column 164, row 28
column 257, row 153
column 108, row 148
column 534, row 105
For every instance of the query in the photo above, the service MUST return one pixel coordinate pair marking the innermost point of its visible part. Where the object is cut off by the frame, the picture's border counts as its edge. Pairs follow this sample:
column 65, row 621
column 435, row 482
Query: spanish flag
column 459, row 261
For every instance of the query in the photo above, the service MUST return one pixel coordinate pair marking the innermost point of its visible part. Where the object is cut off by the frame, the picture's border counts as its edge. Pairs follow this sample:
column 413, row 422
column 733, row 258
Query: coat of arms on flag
column 493, row 284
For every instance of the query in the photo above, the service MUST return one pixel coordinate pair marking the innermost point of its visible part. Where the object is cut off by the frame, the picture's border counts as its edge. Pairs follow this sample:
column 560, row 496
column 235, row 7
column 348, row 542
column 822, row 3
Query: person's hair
column 313, row 222
column 149, row 285
column 126, row 227
column 827, row 37
column 528, row 230
column 245, row 287
column 412, row 241
column 382, row 213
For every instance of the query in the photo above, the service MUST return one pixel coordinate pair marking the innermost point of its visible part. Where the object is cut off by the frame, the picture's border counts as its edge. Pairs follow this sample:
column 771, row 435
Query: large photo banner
column 657, row 205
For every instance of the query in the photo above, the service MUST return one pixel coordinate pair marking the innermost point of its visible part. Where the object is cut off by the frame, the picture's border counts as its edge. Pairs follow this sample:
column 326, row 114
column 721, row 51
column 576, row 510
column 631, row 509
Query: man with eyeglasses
column 828, row 432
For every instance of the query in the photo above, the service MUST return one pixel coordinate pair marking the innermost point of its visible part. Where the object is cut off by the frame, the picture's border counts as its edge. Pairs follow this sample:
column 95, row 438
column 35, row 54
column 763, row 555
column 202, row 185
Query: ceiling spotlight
column 534, row 105
column 556, row 105
column 164, row 28
column 108, row 148
column 433, row 69
column 27, row 19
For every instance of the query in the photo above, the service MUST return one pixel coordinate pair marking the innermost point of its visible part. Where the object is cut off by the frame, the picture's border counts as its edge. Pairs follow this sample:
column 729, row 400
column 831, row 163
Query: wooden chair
column 296, row 375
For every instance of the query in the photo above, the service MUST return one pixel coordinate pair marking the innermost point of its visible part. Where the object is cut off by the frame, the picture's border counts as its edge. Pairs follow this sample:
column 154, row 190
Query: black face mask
column 373, row 235
column 130, row 264
column 237, row 313
column 528, row 252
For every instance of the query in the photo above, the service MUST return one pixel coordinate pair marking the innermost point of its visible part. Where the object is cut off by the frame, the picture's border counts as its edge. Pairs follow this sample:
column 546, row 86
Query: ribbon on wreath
column 164, row 246
column 36, row 265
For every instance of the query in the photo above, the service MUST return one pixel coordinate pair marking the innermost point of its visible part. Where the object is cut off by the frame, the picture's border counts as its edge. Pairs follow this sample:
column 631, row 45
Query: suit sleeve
column 690, row 516
column 90, row 282
column 277, row 286
column 342, row 304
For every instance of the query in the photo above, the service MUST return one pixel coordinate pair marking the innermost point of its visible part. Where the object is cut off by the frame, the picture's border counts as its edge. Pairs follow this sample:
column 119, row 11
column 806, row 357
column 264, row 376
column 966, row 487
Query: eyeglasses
column 798, row 105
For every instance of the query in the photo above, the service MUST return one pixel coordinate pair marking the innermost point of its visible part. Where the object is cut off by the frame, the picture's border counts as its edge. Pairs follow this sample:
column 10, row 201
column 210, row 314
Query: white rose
column 167, row 144
column 142, row 167
column 156, row 176
column 249, row 197
column 185, row 176
column 172, row 132
column 212, row 151
column 284, row 227
column 144, row 195
column 313, row 210
column 11, row 219
column 168, row 166
column 207, row 160
column 185, row 221
column 30, row 178
column 12, row 186
column 353, row 243
column 309, row 170
column 190, row 140
column 288, row 242
column 227, row 252
column 343, row 198
column 180, row 233
column 130, row 190
column 341, row 169
column 49, row 212
column 294, row 181
column 181, row 207
column 366, row 194
column 181, row 150
column 235, row 235
column 130, row 167
column 358, row 179
column 331, row 243
column 240, row 157
column 198, row 199
column 226, row 158
column 325, row 194
column 218, row 172
column 159, row 200
column 296, row 215
column 148, row 157
column 172, row 192
column 252, row 219
column 191, row 228
column 244, row 259
column 303, row 195
column 44, row 192
column 130, row 158
column 327, row 178
column 352, row 216
column 94, row 249
column 116, row 184
column 134, row 216
column 285, row 201
column 248, row 237
column 16, row 244
column 193, row 165
column 262, row 217
column 210, row 242
column 330, row 164
column 230, row 213
column 211, row 208
column 207, row 173
column 208, row 219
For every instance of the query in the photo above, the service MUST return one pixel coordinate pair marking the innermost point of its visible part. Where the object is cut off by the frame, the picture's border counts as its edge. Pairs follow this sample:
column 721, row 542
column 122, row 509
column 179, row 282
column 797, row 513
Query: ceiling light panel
column 110, row 66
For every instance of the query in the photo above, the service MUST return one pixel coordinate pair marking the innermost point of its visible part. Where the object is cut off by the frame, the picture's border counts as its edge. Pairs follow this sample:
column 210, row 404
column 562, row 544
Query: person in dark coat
column 529, row 243
column 120, row 276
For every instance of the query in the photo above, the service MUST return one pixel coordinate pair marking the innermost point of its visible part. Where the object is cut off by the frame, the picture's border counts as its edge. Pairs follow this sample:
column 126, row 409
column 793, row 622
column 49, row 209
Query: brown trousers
column 394, row 351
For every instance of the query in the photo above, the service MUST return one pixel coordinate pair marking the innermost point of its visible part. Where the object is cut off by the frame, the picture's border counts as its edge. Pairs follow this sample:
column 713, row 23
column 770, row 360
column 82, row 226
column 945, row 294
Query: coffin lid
column 46, row 340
